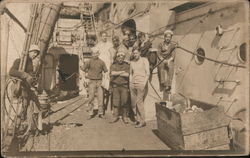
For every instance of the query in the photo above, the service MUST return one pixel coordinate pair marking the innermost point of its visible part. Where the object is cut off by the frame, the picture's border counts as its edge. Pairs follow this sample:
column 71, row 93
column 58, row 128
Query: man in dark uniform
column 116, row 46
column 166, row 68
column 144, row 44
column 120, row 87
column 26, row 90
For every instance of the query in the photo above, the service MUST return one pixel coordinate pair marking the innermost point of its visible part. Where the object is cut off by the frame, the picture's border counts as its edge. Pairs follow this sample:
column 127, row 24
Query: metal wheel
column 15, row 122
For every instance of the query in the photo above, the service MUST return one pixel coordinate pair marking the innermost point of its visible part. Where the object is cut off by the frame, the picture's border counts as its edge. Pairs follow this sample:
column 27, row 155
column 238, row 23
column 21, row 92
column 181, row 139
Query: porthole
column 200, row 59
column 242, row 53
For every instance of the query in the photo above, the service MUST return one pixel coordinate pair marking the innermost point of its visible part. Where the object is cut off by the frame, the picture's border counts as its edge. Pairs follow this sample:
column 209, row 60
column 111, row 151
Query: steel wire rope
column 210, row 59
column 227, row 44
column 230, row 57
column 39, row 37
column 189, row 64
column 39, row 23
column 196, row 24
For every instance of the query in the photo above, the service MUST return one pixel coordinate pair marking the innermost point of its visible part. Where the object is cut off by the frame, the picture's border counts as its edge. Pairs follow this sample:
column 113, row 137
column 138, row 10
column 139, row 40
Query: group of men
column 124, row 68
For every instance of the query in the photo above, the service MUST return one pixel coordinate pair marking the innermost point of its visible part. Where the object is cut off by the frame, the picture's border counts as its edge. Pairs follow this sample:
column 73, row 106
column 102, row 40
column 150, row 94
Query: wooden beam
column 12, row 16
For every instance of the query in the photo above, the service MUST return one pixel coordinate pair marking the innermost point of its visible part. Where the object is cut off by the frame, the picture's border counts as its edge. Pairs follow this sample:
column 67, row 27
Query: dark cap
column 141, row 34
column 115, row 38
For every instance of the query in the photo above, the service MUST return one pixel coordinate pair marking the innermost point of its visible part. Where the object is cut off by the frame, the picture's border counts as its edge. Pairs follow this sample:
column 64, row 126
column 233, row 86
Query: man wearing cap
column 166, row 68
column 28, row 82
column 117, row 46
column 95, row 68
column 120, row 87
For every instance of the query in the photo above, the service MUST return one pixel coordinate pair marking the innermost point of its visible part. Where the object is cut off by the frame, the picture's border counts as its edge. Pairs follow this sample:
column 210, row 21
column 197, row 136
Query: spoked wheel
column 18, row 120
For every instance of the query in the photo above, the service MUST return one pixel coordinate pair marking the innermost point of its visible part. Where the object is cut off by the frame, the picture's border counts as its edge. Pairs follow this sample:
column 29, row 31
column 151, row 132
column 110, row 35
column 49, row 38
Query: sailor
column 144, row 44
column 139, row 75
column 145, row 47
column 95, row 67
column 166, row 54
column 116, row 45
column 27, row 89
column 120, row 87
column 133, row 42
column 125, row 47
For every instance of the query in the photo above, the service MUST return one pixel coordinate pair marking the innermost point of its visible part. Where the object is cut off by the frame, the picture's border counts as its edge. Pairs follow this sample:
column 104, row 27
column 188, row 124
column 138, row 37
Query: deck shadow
column 156, row 132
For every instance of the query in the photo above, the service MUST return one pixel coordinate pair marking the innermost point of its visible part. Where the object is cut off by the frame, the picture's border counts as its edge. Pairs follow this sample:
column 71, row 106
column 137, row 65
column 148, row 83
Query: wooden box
column 207, row 130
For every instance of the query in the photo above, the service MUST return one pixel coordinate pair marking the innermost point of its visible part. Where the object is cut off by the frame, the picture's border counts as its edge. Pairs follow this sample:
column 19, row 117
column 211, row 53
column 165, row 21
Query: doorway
column 68, row 72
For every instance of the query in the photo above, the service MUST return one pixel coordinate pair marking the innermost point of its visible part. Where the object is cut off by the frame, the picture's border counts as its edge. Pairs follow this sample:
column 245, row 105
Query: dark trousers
column 120, row 100
column 165, row 73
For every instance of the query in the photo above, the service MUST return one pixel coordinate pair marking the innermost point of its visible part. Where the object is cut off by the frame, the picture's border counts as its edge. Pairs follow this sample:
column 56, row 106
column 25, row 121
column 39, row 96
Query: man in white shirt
column 104, row 47
column 139, row 75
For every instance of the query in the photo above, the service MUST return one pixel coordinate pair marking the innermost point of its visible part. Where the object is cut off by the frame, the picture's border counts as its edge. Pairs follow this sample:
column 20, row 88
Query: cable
column 196, row 24
column 216, row 61
column 155, row 90
column 39, row 24
column 182, row 79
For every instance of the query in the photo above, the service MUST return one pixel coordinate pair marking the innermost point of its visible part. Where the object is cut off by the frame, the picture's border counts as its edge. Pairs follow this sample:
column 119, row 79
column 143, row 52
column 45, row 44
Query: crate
column 207, row 130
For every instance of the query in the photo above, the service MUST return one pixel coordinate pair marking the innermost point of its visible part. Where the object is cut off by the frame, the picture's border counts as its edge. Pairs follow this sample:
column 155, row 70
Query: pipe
column 48, row 18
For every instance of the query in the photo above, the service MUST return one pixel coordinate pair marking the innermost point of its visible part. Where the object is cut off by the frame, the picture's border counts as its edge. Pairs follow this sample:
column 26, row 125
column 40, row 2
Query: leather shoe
column 134, row 122
column 90, row 117
column 114, row 120
column 140, row 125
column 125, row 120
column 101, row 116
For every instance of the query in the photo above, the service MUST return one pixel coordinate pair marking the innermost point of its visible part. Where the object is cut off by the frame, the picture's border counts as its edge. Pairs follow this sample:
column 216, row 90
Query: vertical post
column 4, row 35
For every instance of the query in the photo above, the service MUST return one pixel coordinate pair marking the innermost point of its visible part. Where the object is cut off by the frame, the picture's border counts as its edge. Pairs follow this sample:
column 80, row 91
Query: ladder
column 227, row 70
column 88, row 18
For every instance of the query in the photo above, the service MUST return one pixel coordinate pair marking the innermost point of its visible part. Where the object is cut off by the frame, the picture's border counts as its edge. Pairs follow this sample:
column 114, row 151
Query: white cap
column 120, row 53
column 153, row 49
column 168, row 32
column 34, row 47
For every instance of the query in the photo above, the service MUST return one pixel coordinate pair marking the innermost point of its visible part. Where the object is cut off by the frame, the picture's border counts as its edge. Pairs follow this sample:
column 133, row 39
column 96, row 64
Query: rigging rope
column 210, row 59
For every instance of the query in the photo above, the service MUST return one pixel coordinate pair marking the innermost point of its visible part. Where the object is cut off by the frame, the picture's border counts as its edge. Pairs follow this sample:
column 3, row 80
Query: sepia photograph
column 123, row 78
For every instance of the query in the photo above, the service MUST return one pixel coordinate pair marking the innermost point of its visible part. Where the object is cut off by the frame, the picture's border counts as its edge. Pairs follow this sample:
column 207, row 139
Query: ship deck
column 69, row 130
